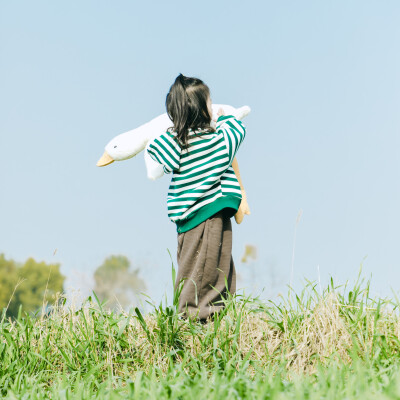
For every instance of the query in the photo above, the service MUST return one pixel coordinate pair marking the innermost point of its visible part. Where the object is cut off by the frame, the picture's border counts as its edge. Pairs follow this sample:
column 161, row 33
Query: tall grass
column 340, row 343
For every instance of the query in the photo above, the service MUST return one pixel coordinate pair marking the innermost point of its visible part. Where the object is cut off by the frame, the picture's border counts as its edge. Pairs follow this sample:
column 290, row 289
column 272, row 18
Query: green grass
column 340, row 344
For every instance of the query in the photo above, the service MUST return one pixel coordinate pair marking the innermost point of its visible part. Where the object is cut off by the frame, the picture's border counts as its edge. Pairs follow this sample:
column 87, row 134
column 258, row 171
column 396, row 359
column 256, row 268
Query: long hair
column 187, row 106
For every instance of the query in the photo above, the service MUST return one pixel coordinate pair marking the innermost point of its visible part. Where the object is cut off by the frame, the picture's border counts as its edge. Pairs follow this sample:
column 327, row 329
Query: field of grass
column 339, row 344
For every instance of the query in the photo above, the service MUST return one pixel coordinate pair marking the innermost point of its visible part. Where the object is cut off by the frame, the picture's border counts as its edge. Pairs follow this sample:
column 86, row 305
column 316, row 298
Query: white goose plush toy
column 129, row 144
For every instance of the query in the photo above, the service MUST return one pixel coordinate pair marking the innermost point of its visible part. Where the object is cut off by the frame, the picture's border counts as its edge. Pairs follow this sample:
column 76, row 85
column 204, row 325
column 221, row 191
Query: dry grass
column 321, row 332
column 299, row 335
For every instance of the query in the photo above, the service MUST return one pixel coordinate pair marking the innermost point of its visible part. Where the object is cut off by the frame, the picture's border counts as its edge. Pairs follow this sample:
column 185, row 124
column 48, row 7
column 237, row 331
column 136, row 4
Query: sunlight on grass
column 336, row 344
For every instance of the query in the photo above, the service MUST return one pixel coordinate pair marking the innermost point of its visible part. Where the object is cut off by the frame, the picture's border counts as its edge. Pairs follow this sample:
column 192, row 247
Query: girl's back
column 203, row 195
column 203, row 180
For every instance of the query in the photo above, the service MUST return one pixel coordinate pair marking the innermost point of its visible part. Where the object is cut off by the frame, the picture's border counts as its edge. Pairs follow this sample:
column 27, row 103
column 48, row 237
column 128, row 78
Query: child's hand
column 243, row 210
column 220, row 112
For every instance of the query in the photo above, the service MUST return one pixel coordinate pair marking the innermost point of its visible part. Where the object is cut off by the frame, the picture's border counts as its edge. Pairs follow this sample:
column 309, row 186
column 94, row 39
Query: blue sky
column 322, row 79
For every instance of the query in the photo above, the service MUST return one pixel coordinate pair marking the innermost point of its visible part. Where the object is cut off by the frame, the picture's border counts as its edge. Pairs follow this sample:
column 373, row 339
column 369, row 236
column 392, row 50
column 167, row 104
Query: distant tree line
column 30, row 284
column 117, row 284
column 33, row 284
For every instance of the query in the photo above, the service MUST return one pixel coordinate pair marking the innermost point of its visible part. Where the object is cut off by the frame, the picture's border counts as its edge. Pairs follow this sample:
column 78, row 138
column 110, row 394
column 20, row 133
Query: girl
column 203, row 196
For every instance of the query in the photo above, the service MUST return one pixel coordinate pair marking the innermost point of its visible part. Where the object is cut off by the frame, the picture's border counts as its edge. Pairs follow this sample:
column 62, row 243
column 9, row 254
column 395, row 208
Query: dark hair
column 187, row 107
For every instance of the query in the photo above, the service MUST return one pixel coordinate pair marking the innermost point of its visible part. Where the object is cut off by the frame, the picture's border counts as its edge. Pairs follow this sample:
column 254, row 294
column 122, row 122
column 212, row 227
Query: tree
column 8, row 280
column 117, row 284
column 31, row 284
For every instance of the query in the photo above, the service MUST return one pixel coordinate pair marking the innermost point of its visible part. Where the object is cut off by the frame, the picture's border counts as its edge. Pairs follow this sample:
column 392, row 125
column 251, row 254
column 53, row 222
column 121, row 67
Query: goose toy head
column 129, row 144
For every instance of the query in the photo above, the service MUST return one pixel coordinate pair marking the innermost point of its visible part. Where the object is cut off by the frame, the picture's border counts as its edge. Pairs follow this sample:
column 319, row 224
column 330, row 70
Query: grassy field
column 339, row 344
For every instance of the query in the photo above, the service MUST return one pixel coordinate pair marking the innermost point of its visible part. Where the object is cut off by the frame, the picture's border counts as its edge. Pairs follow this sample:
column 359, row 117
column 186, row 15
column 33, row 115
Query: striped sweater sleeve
column 166, row 151
column 234, row 133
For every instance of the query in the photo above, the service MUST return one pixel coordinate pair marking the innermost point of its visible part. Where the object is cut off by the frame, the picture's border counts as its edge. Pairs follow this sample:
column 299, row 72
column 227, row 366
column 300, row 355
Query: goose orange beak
column 104, row 160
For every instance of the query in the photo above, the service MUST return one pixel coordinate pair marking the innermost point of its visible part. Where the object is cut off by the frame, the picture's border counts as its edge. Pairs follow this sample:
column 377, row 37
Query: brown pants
column 204, row 263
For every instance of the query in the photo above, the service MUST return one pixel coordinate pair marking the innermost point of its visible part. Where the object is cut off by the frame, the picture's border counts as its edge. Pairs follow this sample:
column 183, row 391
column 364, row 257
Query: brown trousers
column 204, row 263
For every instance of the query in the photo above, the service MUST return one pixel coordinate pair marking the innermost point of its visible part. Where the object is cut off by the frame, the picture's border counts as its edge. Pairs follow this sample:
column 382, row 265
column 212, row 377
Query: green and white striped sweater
column 203, row 180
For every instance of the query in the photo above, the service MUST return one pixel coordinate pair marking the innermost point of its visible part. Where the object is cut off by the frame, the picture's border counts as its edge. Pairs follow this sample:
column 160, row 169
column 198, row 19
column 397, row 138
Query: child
column 203, row 195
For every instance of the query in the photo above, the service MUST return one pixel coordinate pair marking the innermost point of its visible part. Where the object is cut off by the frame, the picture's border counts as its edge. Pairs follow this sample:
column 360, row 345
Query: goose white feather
column 130, row 143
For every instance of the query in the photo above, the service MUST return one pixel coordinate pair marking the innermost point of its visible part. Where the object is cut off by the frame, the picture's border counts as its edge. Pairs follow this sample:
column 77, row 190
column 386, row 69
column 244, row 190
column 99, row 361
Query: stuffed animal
column 129, row 144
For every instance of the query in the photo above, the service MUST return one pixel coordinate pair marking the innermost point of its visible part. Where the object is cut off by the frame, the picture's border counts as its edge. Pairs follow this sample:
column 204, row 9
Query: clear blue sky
column 323, row 81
